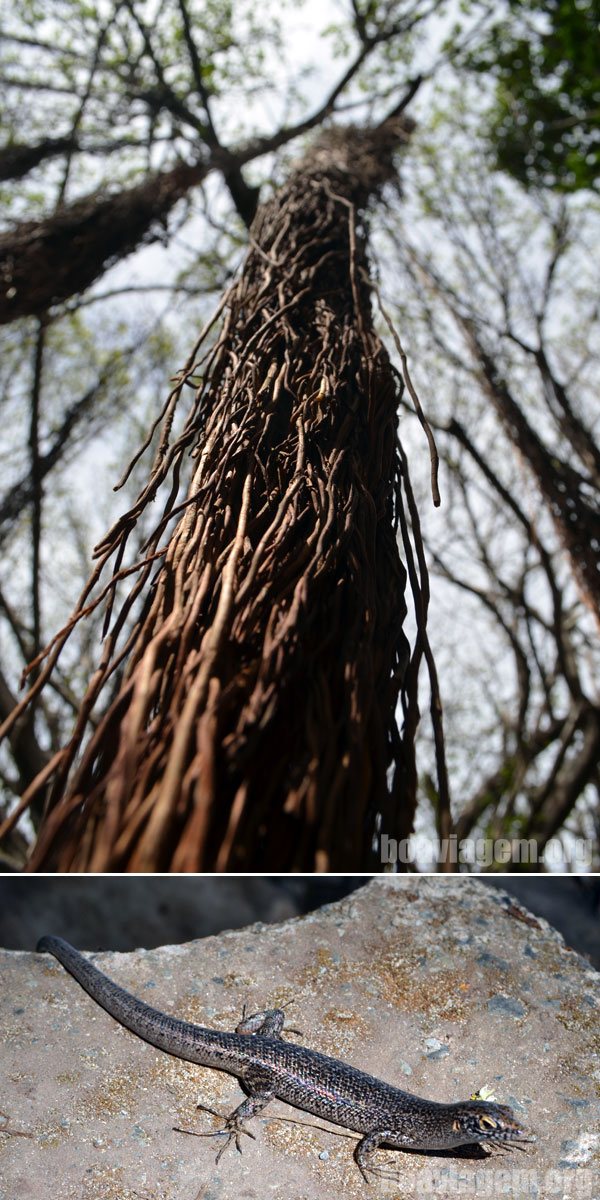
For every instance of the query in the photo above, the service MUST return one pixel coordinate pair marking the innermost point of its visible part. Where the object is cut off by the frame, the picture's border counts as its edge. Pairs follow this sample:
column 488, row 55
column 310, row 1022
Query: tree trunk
column 565, row 490
column 255, row 725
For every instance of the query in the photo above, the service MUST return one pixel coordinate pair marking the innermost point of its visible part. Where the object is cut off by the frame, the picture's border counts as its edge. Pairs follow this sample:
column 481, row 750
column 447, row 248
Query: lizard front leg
column 366, row 1147
column 268, row 1023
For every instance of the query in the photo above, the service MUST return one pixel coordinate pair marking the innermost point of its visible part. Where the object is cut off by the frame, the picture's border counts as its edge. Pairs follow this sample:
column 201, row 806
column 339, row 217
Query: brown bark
column 45, row 262
column 255, row 726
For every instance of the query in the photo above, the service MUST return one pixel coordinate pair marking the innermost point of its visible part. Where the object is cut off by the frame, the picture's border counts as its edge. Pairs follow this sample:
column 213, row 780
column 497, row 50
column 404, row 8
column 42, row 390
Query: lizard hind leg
column 231, row 1129
column 259, row 1085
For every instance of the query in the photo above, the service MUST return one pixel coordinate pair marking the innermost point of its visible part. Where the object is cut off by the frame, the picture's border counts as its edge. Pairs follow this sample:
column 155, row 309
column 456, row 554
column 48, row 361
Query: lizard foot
column 232, row 1130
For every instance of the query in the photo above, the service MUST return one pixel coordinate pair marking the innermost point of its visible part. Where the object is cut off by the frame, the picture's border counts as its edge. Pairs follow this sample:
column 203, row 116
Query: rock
column 385, row 979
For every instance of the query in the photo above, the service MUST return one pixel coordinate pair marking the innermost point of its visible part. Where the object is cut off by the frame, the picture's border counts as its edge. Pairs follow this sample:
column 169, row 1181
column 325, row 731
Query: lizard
column 268, row 1067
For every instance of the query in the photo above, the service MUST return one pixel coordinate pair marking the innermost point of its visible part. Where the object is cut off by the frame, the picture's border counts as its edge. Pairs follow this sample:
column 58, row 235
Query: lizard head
column 492, row 1124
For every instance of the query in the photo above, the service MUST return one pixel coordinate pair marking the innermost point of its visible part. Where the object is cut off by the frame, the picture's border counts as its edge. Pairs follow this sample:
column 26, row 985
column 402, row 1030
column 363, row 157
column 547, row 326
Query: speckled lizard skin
column 270, row 1067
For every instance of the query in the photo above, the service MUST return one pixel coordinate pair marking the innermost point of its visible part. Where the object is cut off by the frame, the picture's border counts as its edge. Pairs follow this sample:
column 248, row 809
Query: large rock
column 436, row 984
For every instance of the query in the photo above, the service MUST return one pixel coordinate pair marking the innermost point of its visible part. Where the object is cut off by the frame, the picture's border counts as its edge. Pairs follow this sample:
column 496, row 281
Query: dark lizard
column 269, row 1067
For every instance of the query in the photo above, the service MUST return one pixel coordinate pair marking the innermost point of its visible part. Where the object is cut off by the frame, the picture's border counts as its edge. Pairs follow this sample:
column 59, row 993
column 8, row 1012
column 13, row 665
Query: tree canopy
column 544, row 124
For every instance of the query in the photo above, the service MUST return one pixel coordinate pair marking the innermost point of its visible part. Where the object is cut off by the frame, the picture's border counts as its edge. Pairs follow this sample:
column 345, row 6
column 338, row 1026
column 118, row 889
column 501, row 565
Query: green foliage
column 544, row 57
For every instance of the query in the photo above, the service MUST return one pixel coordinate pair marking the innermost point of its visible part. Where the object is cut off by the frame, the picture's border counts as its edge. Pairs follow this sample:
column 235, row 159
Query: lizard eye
column 488, row 1123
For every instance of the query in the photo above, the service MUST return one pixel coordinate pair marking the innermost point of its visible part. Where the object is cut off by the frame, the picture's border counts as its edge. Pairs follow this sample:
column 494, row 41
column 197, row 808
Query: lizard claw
column 233, row 1135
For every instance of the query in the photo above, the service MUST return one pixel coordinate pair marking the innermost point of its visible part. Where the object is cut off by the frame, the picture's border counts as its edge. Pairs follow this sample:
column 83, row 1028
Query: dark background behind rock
column 123, row 912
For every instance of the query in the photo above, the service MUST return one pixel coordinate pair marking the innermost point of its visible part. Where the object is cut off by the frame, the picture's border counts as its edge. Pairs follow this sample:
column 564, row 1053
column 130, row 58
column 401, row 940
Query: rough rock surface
column 436, row 984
